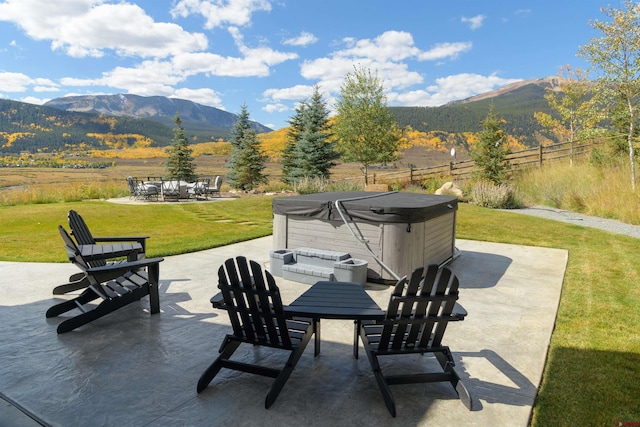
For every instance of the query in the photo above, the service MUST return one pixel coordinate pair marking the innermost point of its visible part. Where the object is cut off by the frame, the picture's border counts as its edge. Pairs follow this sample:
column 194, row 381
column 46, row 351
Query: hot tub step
column 306, row 273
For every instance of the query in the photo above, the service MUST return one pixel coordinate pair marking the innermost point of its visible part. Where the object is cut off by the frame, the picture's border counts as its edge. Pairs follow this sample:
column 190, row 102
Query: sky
column 268, row 54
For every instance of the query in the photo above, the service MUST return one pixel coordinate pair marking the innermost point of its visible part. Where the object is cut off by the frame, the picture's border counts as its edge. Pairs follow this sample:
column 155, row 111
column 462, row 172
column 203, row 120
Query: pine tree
column 180, row 163
column 247, row 161
column 293, row 136
column 309, row 152
column 490, row 152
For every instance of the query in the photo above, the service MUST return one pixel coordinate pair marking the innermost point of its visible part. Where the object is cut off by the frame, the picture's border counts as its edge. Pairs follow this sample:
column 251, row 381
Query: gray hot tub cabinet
column 403, row 230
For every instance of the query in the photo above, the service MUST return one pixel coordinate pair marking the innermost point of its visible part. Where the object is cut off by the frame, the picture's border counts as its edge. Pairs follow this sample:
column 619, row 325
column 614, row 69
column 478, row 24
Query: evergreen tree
column 247, row 161
column 293, row 135
column 309, row 152
column 490, row 152
column 180, row 161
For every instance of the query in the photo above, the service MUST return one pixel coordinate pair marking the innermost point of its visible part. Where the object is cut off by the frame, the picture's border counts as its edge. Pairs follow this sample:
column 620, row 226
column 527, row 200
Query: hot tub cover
column 389, row 207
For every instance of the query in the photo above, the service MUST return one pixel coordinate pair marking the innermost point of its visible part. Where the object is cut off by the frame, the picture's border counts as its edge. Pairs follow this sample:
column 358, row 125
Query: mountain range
column 67, row 121
column 195, row 117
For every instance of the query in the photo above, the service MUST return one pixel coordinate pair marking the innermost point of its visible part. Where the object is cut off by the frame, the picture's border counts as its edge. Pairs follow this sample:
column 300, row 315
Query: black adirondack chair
column 115, row 285
column 257, row 316
column 83, row 236
column 417, row 317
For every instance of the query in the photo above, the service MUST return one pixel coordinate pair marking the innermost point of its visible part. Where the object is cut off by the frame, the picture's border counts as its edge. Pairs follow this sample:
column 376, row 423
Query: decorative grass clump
column 496, row 196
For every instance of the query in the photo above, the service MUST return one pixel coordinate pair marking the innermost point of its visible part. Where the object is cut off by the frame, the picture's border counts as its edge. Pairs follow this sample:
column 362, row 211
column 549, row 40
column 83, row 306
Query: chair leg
column 285, row 373
column 230, row 346
column 446, row 362
column 74, row 285
column 377, row 372
column 85, row 297
column 154, row 293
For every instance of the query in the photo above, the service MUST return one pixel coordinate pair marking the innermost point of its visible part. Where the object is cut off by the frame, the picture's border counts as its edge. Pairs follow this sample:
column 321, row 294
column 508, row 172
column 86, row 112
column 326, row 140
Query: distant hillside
column 201, row 122
column 37, row 128
column 515, row 103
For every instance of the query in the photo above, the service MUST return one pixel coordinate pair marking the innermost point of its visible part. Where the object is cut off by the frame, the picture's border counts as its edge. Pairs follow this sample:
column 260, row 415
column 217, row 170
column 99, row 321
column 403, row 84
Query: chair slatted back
column 83, row 236
column 73, row 252
column 217, row 182
column 131, row 182
column 79, row 229
column 419, row 311
column 253, row 303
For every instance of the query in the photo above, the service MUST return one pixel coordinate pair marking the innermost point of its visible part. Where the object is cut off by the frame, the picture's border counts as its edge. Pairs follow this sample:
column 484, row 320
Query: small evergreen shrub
column 496, row 196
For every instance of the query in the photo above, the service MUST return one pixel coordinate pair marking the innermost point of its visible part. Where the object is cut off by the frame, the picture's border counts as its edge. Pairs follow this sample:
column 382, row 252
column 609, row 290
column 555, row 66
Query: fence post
column 540, row 156
column 411, row 174
column 451, row 170
column 374, row 177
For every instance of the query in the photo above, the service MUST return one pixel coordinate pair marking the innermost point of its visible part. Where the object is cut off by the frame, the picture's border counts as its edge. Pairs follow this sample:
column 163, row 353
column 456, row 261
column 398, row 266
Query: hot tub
column 394, row 232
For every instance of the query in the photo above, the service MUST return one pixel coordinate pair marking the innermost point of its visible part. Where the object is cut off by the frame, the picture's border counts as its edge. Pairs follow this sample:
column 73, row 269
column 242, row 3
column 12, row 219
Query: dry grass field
column 206, row 165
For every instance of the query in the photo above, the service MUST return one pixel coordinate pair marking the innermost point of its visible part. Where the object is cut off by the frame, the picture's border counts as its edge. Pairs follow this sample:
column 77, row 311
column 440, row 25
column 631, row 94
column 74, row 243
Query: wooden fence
column 463, row 171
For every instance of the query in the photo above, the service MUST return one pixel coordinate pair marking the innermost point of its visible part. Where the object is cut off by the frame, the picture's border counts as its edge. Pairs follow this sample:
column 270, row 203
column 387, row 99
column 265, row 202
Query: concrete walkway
column 133, row 369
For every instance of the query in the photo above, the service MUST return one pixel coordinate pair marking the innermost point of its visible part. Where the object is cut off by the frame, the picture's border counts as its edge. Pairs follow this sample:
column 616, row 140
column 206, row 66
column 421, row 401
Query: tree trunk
column 632, row 155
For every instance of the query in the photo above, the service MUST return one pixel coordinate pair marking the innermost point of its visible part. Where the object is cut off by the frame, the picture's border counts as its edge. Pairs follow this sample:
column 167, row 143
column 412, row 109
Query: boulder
column 450, row 189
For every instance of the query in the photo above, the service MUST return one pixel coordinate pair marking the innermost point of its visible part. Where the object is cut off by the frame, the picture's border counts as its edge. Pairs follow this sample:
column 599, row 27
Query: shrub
column 345, row 186
column 309, row 185
column 489, row 195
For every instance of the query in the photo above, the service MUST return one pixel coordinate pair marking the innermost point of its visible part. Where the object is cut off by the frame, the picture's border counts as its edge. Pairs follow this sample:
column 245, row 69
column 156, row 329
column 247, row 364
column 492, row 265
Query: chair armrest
column 218, row 301
column 124, row 266
column 120, row 238
column 459, row 312
column 140, row 239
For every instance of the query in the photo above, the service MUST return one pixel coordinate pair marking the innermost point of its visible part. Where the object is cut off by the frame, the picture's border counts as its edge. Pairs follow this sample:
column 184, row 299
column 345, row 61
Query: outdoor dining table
column 335, row 300
column 329, row 300
column 100, row 251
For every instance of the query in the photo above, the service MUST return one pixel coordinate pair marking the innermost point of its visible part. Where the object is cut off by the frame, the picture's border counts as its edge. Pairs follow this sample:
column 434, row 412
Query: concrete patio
column 133, row 369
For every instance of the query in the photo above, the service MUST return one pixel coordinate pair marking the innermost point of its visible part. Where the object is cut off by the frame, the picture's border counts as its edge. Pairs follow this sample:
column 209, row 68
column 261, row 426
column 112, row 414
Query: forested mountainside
column 203, row 122
column 36, row 128
column 516, row 107
column 106, row 122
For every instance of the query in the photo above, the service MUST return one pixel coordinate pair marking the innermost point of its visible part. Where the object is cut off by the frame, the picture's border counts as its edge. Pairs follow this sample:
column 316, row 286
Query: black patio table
column 335, row 300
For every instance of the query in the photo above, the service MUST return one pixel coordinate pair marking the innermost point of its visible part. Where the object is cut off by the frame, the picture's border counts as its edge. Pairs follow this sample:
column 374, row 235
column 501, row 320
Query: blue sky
column 268, row 54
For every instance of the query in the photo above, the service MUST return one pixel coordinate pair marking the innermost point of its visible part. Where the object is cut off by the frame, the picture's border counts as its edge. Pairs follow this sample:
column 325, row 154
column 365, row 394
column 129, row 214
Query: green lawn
column 592, row 376
column 30, row 232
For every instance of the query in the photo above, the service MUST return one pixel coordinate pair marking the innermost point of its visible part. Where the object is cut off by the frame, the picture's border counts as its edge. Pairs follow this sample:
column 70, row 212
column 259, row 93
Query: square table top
column 336, row 300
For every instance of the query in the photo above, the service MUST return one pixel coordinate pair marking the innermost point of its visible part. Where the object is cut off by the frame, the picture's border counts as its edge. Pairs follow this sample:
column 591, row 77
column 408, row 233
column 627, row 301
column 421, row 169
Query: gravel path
column 611, row 225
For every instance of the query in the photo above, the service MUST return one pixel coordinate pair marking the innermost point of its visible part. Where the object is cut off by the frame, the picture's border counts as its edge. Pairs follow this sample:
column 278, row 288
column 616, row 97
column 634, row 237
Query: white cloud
column 450, row 88
column 474, row 22
column 388, row 55
column 148, row 78
column 445, row 50
column 34, row 100
column 88, row 28
column 203, row 96
column 295, row 93
column 220, row 13
column 275, row 108
column 20, row 82
column 304, row 39
column 389, row 46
